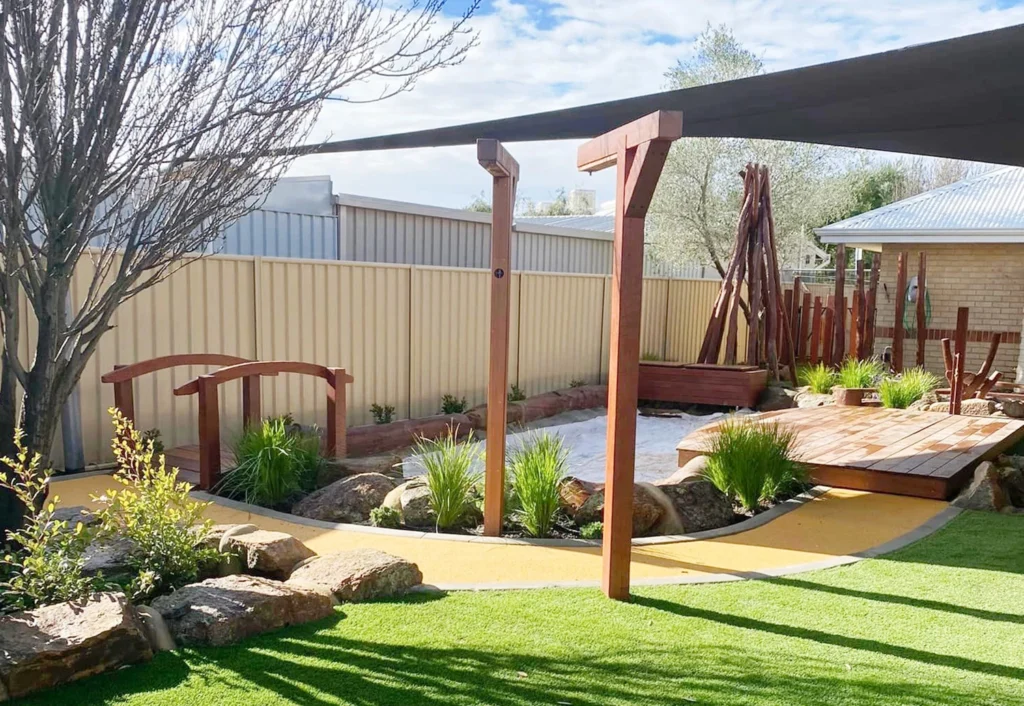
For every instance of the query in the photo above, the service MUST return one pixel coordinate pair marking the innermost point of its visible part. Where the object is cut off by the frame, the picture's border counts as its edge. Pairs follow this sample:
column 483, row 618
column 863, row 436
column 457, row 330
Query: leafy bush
column 156, row 514
column 385, row 517
column 901, row 392
column 152, row 436
column 382, row 415
column 450, row 404
column 450, row 476
column 855, row 374
column 537, row 469
column 46, row 565
column 272, row 463
column 819, row 378
column 753, row 462
column 592, row 530
column 576, row 382
column 516, row 394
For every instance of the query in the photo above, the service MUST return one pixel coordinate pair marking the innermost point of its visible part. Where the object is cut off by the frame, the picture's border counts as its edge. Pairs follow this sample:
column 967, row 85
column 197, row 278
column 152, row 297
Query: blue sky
column 538, row 55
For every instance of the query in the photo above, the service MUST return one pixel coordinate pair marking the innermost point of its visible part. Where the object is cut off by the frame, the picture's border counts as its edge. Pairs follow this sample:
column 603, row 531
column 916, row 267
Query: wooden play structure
column 201, row 465
column 718, row 385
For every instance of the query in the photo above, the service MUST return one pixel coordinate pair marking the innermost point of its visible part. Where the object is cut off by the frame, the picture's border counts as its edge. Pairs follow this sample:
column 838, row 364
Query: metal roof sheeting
column 991, row 201
column 601, row 224
column 281, row 234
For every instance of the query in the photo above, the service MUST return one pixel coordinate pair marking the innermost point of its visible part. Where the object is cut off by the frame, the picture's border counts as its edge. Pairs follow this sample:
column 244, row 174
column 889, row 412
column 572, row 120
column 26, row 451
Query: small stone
column 348, row 500
column 59, row 643
column 334, row 469
column 358, row 575
column 223, row 611
column 266, row 553
column 985, row 491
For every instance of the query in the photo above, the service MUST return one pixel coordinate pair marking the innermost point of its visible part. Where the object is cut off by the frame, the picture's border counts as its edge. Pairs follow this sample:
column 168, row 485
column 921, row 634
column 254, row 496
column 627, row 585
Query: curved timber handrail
column 122, row 376
column 251, row 371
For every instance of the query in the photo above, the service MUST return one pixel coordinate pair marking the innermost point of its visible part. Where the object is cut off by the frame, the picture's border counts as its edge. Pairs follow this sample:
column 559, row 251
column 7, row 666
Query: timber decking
column 924, row 454
column 186, row 460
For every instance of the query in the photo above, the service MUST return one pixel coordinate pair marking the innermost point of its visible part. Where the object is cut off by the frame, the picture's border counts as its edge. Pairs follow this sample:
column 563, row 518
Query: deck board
column 926, row 454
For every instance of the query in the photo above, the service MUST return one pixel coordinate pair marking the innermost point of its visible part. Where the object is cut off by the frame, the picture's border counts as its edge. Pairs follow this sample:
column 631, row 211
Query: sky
column 536, row 55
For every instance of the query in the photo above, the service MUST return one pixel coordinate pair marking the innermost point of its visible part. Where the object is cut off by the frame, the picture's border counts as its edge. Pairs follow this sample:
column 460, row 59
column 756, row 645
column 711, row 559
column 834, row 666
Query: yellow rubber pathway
column 837, row 524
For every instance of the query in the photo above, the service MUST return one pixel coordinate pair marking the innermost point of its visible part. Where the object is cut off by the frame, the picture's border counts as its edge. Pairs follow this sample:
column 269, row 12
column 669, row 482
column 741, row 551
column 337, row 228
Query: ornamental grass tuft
column 858, row 374
column 451, row 476
column 537, row 469
column 819, row 378
column 902, row 391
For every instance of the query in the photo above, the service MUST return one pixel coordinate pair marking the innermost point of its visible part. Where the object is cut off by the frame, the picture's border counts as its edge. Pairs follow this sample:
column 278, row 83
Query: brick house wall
column 987, row 278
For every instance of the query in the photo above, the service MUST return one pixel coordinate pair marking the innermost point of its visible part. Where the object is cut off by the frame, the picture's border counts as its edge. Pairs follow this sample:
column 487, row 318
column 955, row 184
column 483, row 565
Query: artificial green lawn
column 940, row 622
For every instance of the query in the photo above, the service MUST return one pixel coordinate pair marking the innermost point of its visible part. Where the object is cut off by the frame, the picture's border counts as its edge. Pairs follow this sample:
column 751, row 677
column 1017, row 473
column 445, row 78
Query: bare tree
column 133, row 131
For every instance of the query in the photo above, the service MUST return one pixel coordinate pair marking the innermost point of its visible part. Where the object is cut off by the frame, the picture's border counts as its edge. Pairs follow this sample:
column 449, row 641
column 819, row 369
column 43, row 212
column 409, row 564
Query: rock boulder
column 358, row 575
column 334, row 469
column 347, row 500
column 692, row 468
column 574, row 492
column 223, row 611
column 701, row 506
column 266, row 553
column 985, row 491
column 647, row 511
column 776, row 397
column 42, row 648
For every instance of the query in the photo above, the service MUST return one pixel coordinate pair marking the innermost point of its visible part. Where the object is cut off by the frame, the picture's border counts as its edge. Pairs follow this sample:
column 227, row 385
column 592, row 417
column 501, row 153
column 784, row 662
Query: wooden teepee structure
column 755, row 264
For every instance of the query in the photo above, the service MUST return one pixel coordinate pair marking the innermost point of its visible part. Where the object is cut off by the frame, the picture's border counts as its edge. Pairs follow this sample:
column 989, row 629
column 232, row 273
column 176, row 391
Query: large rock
column 63, row 642
column 985, row 491
column 223, row 611
column 74, row 515
column 701, row 506
column 266, row 553
column 1011, row 476
column 358, row 575
column 415, row 506
column 346, row 500
column 807, row 399
column 378, row 438
column 647, row 511
column 975, row 407
column 1013, row 408
column 114, row 558
column 776, row 397
column 695, row 467
column 334, row 469
column 574, row 492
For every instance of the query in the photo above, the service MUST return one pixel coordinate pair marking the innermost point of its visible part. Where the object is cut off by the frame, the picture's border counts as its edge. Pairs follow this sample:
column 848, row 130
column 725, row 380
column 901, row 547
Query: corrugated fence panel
column 206, row 307
column 449, row 340
column 689, row 307
column 338, row 314
column 560, row 329
column 372, row 235
column 653, row 318
column 281, row 234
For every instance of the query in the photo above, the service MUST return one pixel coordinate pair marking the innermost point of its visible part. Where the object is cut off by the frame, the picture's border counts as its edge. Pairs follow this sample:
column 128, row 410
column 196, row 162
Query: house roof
column 601, row 224
column 985, row 208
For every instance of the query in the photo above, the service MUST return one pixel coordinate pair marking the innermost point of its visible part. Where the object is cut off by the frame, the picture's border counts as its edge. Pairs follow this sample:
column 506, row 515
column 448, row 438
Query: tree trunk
column 12, row 512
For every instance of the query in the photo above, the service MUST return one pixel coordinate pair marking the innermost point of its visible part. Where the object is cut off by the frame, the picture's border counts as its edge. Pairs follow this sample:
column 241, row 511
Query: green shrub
column 45, row 565
column 855, row 374
column 156, row 514
column 537, row 468
column 901, row 392
column 576, row 382
column 152, row 436
column 272, row 464
column 450, row 404
column 387, row 517
column 451, row 476
column 753, row 462
column 592, row 530
column 382, row 415
column 516, row 394
column 819, row 378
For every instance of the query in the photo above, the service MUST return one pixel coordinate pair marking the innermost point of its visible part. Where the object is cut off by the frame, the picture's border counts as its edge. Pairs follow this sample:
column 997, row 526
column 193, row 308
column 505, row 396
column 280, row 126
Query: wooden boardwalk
column 924, row 454
column 186, row 460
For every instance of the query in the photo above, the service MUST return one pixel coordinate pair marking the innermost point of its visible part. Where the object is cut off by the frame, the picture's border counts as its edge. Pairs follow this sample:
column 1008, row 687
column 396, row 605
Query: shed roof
column 985, row 208
column 601, row 224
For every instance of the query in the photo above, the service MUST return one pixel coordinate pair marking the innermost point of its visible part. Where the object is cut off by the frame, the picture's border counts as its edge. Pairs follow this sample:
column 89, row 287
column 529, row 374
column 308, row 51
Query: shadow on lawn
column 318, row 664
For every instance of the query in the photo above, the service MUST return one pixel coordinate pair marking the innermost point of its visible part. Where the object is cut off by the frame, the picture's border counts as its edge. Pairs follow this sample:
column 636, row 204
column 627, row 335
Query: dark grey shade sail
column 960, row 98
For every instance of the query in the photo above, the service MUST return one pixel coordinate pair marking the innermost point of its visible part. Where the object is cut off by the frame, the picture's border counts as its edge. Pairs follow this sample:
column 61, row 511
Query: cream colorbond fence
column 408, row 335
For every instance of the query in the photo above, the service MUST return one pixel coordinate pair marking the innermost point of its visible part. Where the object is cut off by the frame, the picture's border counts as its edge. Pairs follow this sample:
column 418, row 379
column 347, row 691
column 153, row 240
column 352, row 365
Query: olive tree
column 133, row 131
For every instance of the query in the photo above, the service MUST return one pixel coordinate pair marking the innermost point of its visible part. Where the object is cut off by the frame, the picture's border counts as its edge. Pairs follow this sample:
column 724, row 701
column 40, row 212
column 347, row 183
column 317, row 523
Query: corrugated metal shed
column 600, row 224
column 993, row 201
column 280, row 234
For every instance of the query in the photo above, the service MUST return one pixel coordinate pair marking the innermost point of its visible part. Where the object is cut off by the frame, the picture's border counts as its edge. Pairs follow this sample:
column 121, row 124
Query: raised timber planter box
column 692, row 383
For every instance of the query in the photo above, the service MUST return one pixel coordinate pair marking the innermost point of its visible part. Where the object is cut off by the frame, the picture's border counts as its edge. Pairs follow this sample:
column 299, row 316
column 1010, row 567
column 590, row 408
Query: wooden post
column 505, row 172
column 872, row 304
column 827, row 330
column 839, row 317
column 922, row 331
column 336, row 444
column 788, row 299
column 816, row 326
column 857, row 320
column 901, row 299
column 209, row 433
column 639, row 150
column 805, row 322
column 251, row 400
column 124, row 397
column 956, row 390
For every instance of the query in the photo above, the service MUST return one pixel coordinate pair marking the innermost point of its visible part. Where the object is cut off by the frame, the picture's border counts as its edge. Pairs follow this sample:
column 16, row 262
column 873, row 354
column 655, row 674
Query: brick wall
column 987, row 278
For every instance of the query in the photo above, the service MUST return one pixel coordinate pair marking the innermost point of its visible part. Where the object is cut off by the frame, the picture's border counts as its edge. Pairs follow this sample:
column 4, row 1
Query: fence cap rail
column 123, row 373
column 266, row 367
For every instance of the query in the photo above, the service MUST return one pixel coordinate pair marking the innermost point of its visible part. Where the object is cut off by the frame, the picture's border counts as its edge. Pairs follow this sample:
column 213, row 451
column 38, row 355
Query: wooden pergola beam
column 505, row 170
column 639, row 150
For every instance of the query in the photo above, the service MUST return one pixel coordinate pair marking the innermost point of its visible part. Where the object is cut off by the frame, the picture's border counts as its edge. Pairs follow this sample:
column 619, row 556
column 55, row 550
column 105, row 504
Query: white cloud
column 601, row 50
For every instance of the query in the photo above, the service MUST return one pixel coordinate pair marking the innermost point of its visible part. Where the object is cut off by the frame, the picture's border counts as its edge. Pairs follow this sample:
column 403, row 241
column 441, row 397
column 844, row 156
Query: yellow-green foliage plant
column 537, row 468
column 818, row 378
column 906, row 389
column 451, row 476
column 859, row 374
column 155, row 513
